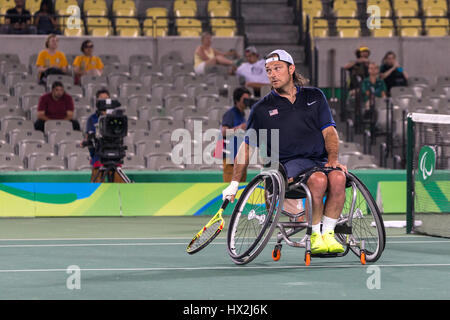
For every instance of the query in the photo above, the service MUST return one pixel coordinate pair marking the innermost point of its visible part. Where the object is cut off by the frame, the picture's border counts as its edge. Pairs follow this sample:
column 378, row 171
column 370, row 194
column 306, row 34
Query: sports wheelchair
column 360, row 227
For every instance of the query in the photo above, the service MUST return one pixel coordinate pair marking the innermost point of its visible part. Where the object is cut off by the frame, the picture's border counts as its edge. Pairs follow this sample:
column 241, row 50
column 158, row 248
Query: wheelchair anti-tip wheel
column 255, row 216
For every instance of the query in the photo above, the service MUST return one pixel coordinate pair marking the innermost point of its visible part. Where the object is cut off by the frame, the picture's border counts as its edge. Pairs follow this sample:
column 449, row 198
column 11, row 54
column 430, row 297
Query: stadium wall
column 37, row 194
column 123, row 47
column 419, row 56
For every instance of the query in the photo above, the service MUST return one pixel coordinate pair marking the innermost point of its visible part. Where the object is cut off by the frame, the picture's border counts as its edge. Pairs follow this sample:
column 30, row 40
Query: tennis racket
column 208, row 232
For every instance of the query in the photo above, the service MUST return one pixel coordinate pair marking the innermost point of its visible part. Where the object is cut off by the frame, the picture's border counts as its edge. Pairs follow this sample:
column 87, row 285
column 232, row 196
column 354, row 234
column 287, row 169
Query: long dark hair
column 49, row 4
column 386, row 55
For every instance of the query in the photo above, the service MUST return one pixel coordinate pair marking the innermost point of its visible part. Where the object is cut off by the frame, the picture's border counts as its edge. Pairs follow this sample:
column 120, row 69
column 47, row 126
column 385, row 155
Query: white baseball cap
column 281, row 55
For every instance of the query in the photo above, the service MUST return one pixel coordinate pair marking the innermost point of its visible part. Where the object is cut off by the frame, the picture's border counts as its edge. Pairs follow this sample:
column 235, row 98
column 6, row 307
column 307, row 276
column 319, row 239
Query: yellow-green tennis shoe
column 317, row 244
column 331, row 243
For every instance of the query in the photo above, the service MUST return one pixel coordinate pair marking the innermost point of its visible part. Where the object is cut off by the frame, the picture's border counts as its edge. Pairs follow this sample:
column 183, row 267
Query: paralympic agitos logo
column 427, row 162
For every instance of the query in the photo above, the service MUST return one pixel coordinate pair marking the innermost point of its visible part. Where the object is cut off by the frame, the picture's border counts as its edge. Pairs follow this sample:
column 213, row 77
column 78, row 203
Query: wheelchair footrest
column 327, row 255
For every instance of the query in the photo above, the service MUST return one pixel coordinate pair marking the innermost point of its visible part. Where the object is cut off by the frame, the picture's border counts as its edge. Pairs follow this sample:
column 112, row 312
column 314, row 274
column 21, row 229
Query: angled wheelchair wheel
column 255, row 217
column 368, row 233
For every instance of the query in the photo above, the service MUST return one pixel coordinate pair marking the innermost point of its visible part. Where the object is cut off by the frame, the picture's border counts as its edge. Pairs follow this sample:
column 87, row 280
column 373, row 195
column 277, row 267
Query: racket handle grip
column 225, row 203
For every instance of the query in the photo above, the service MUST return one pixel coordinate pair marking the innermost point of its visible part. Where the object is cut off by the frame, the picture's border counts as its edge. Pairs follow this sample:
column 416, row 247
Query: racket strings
column 206, row 234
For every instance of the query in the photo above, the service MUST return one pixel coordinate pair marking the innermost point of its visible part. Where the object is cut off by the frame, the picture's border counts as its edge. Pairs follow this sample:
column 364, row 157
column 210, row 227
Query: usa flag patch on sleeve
column 273, row 112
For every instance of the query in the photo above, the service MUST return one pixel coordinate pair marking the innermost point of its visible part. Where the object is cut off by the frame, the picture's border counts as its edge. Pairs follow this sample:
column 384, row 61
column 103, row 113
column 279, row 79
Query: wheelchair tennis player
column 307, row 139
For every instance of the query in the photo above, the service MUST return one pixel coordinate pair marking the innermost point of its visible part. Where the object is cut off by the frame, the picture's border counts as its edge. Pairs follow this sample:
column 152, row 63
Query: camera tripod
column 112, row 172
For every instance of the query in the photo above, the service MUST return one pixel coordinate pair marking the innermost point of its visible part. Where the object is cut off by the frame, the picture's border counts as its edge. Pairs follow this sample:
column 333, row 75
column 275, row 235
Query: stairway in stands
column 269, row 25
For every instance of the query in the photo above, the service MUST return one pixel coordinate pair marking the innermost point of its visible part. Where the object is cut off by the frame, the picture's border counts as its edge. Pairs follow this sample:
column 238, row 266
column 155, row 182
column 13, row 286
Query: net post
column 409, row 174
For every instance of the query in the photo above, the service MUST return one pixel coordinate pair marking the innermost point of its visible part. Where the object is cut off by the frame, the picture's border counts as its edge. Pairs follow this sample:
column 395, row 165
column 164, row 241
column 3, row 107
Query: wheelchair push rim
column 255, row 216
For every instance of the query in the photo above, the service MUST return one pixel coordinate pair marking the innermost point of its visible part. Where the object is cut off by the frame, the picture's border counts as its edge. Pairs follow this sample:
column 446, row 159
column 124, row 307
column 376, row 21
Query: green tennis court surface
column 145, row 258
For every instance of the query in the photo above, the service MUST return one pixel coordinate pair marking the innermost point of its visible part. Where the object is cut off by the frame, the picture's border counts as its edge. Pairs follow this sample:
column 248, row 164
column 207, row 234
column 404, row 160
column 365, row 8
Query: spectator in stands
column 372, row 86
column 391, row 72
column 51, row 60
column 18, row 20
column 55, row 105
column 87, row 63
column 206, row 56
column 234, row 119
column 254, row 70
column 359, row 68
column 45, row 20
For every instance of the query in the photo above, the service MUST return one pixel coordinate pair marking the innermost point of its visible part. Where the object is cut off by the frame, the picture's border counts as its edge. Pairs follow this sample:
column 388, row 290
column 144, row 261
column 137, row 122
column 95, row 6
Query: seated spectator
column 373, row 85
column 254, row 70
column 358, row 69
column 234, row 119
column 391, row 72
column 18, row 20
column 51, row 60
column 206, row 56
column 55, row 105
column 87, row 63
column 45, row 20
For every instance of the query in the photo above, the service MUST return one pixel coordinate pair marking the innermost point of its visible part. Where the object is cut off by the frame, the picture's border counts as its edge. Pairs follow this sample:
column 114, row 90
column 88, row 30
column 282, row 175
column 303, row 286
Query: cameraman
column 234, row 119
column 101, row 94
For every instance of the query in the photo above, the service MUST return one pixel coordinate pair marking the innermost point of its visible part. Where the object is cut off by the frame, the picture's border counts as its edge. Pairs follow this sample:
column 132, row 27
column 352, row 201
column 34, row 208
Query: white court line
column 232, row 268
column 158, row 238
column 168, row 244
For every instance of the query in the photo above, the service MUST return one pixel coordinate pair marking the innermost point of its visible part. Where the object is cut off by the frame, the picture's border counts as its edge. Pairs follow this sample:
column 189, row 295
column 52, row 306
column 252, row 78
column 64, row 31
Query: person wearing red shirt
column 55, row 105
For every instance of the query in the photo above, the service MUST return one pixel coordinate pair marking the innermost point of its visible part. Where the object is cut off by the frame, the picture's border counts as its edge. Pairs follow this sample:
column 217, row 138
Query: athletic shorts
column 298, row 165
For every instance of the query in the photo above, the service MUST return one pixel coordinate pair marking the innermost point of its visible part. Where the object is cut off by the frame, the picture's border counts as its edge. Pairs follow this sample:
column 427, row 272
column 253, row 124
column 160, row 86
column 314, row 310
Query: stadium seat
column 7, row 150
column 124, row 8
column 348, row 28
column 410, row 27
column 133, row 162
column 434, row 8
column 156, row 22
column 386, row 29
column 223, row 27
column 188, row 27
column 436, row 27
column 361, row 162
column 57, row 137
column 57, row 125
column 78, row 161
column 94, row 4
column 96, row 12
column 62, row 5
column 406, row 8
column 25, row 136
column 127, row 27
column 345, row 8
column 185, row 8
column 319, row 28
column 218, row 4
column 46, row 162
column 10, row 163
column 99, row 27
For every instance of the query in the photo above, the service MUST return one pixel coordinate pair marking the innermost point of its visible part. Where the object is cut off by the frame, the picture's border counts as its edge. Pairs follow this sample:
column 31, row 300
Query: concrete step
column 269, row 14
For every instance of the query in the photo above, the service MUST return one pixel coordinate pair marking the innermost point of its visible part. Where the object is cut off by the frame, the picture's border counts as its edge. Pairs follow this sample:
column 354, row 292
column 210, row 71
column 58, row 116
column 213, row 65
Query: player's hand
column 336, row 164
column 230, row 191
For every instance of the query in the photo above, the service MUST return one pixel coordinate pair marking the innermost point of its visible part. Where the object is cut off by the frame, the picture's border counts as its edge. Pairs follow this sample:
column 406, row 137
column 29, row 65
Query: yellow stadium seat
column 345, row 13
column 99, row 26
column 410, row 27
column 307, row 4
column 94, row 4
column 219, row 12
column 158, row 29
column 123, row 12
column 96, row 12
column 319, row 28
column 128, row 32
column 223, row 27
column 100, row 32
column 379, row 3
column 7, row 4
column 183, row 4
column 33, row 6
column 348, row 28
column 406, row 4
column 77, row 32
column 434, row 4
column 435, row 12
column 436, row 27
column 64, row 4
column 386, row 29
column 406, row 12
column 156, row 12
column 345, row 4
column 188, row 27
column 214, row 4
column 185, row 12
column 2, row 14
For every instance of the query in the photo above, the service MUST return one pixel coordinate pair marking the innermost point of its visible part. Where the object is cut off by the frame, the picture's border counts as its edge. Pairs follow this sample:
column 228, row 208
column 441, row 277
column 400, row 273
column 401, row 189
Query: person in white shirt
column 254, row 70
